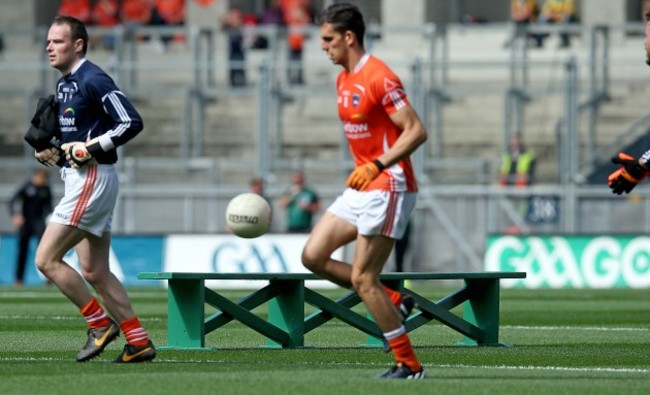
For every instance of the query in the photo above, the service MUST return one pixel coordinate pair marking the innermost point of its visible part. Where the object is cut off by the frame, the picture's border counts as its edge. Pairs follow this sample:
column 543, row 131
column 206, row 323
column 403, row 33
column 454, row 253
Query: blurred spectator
column 522, row 13
column 233, row 23
column 257, row 186
column 272, row 16
column 249, row 22
column 168, row 13
column 136, row 13
column 401, row 246
column 517, row 168
column 79, row 9
column 301, row 204
column 517, row 164
column 105, row 13
column 28, row 208
column 296, row 16
column 556, row 11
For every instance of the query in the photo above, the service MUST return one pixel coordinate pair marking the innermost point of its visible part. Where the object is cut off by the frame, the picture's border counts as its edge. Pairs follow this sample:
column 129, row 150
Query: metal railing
column 457, row 212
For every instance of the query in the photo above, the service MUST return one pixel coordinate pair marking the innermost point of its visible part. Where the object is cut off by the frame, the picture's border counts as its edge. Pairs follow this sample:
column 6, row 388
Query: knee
column 363, row 282
column 312, row 260
column 44, row 262
column 92, row 276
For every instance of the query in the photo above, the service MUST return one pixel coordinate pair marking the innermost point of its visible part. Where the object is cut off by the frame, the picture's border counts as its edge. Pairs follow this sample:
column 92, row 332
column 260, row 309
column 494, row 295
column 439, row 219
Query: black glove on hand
column 625, row 178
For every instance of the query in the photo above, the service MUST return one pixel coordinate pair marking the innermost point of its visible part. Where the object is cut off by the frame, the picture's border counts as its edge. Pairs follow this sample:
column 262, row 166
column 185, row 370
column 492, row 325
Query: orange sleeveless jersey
column 366, row 98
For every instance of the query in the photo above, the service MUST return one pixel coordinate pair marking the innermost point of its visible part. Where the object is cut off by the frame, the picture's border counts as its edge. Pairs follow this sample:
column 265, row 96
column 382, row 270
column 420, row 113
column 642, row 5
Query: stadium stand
column 203, row 141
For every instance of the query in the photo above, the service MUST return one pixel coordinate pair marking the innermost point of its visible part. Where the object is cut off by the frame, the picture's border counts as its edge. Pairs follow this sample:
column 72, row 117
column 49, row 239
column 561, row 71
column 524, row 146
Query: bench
column 286, row 295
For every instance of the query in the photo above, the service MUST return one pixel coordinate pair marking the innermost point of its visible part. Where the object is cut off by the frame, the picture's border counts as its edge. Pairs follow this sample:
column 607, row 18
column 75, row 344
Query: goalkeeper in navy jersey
column 632, row 170
column 95, row 118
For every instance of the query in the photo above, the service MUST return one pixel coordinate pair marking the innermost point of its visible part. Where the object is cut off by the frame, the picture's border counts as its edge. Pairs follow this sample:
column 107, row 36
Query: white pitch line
column 579, row 328
column 551, row 368
column 56, row 294
column 39, row 317
column 32, row 295
column 441, row 366
column 57, row 317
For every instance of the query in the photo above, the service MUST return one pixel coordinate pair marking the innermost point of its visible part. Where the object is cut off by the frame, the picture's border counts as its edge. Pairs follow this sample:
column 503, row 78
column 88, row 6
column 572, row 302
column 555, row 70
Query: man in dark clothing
column 28, row 208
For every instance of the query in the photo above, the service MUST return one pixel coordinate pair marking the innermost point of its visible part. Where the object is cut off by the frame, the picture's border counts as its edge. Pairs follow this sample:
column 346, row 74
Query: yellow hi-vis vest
column 524, row 164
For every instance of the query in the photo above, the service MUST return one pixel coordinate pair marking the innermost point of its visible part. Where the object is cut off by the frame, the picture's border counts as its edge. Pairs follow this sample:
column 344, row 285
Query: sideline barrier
column 286, row 295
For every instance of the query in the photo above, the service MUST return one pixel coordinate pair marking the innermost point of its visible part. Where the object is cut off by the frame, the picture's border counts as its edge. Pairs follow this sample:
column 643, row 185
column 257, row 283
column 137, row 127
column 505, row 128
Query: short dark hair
column 77, row 29
column 344, row 17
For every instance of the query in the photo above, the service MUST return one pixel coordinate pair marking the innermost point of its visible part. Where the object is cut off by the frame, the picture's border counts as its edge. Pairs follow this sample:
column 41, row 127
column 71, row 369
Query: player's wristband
column 645, row 159
column 94, row 147
column 379, row 165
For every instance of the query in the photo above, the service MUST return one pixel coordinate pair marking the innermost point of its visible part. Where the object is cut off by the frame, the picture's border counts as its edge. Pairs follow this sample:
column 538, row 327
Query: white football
column 248, row 215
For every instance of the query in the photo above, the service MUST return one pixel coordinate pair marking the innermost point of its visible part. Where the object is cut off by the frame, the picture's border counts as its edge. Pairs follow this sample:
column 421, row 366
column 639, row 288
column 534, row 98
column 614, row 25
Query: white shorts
column 89, row 200
column 375, row 212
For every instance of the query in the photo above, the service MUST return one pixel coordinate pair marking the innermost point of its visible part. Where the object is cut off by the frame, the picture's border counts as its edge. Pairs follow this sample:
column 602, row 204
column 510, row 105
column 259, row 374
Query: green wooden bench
column 286, row 295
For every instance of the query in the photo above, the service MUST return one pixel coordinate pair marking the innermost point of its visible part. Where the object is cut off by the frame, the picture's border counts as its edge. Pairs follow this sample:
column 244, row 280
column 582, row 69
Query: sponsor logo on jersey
column 67, row 120
column 355, row 131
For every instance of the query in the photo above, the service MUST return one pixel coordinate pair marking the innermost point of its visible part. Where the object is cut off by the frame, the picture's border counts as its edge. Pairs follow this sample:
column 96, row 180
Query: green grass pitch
column 564, row 342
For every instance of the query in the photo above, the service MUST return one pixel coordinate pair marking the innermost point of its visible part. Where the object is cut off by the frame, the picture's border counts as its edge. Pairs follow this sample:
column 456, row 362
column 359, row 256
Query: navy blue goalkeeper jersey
column 91, row 105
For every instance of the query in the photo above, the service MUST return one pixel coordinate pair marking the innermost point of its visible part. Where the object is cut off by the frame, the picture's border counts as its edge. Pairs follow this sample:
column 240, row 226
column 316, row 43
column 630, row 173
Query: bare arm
column 413, row 135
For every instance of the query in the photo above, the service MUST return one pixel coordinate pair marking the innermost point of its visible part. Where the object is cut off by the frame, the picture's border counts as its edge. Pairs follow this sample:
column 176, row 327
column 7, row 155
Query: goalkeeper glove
column 363, row 175
column 76, row 153
column 48, row 157
column 625, row 178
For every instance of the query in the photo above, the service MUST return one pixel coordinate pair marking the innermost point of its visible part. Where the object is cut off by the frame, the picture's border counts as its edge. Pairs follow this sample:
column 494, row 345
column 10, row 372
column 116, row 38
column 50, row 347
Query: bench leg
column 287, row 312
column 186, row 314
column 482, row 310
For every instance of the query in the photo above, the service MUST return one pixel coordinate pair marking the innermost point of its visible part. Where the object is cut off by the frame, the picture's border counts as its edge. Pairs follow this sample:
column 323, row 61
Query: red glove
column 363, row 175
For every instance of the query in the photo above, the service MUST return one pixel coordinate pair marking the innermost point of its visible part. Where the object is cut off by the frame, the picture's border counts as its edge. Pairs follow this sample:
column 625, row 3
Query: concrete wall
column 17, row 14
column 205, row 16
column 607, row 12
column 604, row 12
column 394, row 12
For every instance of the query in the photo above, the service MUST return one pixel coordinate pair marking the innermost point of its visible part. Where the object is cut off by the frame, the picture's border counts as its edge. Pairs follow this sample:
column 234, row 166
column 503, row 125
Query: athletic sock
column 95, row 315
column 402, row 349
column 134, row 332
column 394, row 296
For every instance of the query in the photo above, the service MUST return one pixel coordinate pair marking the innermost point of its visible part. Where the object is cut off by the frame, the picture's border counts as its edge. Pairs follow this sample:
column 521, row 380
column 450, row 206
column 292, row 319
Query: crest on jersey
column 356, row 99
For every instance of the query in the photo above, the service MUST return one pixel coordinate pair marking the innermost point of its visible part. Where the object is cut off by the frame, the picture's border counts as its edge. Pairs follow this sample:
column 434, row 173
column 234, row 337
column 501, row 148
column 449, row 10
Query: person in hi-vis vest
column 517, row 164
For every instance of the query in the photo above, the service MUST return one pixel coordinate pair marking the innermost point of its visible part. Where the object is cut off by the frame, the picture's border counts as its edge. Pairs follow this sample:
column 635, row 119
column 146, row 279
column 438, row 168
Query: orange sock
column 403, row 350
column 94, row 314
column 394, row 296
column 134, row 332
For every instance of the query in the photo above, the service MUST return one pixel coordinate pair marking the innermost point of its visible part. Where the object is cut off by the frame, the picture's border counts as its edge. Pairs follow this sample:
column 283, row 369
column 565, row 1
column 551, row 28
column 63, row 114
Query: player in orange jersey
column 382, row 130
